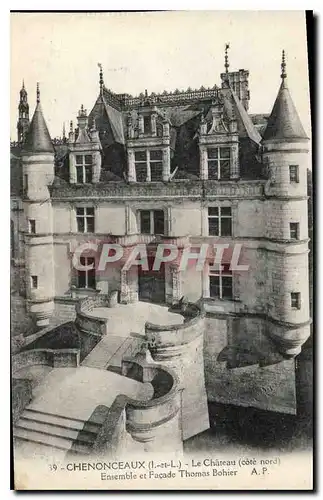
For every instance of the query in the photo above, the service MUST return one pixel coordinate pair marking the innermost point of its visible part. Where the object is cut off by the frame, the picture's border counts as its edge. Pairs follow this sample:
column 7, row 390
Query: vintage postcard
column 161, row 253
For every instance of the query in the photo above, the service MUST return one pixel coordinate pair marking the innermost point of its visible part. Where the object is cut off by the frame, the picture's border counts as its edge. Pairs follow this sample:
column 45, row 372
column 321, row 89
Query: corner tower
column 23, row 114
column 286, row 156
column 38, row 174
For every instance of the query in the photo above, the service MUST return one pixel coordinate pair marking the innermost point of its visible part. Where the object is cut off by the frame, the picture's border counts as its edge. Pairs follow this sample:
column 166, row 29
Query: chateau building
column 183, row 168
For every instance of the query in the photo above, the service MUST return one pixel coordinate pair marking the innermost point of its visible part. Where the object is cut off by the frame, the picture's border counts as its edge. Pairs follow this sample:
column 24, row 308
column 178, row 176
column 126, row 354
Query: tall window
column 85, row 219
column 220, row 221
column 294, row 230
column 32, row 226
column 218, row 160
column 295, row 300
column 83, row 169
column 141, row 166
column 86, row 279
column 156, row 165
column 148, row 165
column 293, row 173
column 221, row 283
column 152, row 222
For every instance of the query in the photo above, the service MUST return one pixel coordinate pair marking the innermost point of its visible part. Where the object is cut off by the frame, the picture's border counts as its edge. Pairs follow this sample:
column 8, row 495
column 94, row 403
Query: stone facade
column 162, row 169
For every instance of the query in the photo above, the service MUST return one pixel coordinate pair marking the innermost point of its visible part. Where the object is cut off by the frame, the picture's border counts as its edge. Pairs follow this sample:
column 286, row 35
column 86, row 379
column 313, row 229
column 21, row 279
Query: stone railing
column 147, row 239
column 123, row 102
column 168, row 98
column 122, row 190
column 177, row 334
column 154, row 421
column 158, row 190
column 92, row 324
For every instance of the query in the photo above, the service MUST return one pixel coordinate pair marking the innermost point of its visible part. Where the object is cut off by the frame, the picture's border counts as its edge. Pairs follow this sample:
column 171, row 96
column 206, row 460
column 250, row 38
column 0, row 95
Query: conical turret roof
column 37, row 138
column 284, row 122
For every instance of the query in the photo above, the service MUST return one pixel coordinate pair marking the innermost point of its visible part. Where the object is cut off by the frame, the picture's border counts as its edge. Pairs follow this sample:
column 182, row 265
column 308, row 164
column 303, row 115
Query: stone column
column 203, row 163
column 140, row 125
column 153, row 125
column 165, row 129
column 127, row 219
column 166, row 164
column 96, row 166
column 169, row 221
column 124, row 292
column 234, row 165
column 131, row 166
column 129, row 286
column 72, row 169
column 176, row 284
column 205, row 282
column 148, row 177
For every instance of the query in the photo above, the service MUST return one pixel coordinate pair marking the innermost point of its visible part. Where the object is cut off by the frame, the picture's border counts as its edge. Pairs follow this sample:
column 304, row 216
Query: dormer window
column 83, row 165
column 218, row 159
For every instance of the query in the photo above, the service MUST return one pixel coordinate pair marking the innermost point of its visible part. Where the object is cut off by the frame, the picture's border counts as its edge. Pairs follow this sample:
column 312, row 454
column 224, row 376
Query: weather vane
column 226, row 59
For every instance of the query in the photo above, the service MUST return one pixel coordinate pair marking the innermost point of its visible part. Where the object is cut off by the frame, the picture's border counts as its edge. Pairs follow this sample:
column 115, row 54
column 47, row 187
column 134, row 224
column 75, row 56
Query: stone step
column 54, row 430
column 27, row 449
column 44, row 439
column 57, row 420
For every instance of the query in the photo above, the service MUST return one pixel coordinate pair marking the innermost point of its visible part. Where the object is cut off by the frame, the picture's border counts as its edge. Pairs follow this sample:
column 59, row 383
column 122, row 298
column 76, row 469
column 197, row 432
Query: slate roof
column 37, row 138
column 109, row 121
column 245, row 126
column 284, row 122
column 111, row 113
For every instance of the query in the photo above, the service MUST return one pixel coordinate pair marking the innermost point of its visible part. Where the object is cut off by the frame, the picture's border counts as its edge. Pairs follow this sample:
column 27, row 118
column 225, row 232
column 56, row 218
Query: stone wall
column 243, row 367
column 21, row 390
column 55, row 358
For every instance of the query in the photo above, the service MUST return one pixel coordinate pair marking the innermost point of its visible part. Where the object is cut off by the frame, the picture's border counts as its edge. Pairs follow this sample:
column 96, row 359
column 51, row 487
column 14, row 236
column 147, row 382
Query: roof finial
column 101, row 77
column 226, row 58
column 23, row 84
column 37, row 94
column 283, row 67
column 64, row 131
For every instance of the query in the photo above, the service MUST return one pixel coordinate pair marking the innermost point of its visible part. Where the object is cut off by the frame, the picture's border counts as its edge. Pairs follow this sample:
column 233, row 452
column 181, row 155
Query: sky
column 155, row 51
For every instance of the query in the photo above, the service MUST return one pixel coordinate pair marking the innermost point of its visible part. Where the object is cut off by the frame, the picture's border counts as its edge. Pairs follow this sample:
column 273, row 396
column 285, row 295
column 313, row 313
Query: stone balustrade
column 92, row 324
column 180, row 348
column 177, row 334
column 129, row 240
column 152, row 423
column 158, row 190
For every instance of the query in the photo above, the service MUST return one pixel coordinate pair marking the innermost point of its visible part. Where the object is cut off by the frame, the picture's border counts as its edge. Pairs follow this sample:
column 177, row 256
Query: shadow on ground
column 235, row 428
